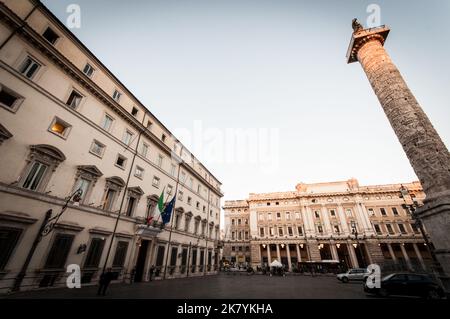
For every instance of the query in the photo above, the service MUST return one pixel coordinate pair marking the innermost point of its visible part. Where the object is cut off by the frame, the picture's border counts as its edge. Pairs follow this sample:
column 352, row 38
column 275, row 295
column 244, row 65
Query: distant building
column 67, row 123
column 317, row 223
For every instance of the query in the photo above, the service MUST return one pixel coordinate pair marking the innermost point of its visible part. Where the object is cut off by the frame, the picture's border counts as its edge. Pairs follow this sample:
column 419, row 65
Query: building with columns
column 325, row 222
column 75, row 140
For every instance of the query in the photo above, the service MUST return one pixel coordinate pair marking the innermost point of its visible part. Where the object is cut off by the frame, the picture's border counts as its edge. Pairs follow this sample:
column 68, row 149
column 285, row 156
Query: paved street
column 218, row 286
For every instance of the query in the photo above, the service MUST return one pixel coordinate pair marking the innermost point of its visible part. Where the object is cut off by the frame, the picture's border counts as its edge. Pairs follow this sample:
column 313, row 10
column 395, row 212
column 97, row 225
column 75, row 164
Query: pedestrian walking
column 105, row 280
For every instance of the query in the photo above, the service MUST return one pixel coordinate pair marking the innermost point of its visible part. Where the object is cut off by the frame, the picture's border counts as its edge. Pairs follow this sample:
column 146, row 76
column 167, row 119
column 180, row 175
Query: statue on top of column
column 356, row 25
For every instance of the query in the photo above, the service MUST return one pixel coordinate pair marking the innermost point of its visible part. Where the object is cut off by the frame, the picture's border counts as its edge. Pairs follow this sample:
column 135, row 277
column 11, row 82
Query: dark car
column 408, row 285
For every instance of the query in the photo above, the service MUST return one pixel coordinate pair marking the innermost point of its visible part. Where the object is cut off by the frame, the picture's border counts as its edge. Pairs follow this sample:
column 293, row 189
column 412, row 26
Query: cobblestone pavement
column 216, row 286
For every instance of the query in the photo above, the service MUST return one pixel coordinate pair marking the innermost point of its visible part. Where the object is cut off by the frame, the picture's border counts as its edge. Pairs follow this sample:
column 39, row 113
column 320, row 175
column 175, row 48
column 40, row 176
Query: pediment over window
column 189, row 214
column 198, row 218
column 91, row 170
column 4, row 134
column 204, row 221
column 136, row 190
column 179, row 210
column 153, row 198
column 211, row 224
column 48, row 151
column 115, row 180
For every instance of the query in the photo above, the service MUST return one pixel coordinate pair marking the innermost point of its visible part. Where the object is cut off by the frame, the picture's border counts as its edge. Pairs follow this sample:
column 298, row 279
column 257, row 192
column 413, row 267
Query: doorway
column 140, row 263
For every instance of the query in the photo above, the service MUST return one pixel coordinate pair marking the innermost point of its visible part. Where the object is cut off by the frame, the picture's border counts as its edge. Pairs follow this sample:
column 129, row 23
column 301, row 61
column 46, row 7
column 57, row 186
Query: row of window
column 31, row 66
column 389, row 228
column 60, row 249
column 240, row 235
column 239, row 221
column 11, row 101
column 383, row 211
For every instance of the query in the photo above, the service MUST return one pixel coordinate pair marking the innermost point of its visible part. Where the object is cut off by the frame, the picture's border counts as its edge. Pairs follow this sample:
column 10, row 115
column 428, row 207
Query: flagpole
column 171, row 213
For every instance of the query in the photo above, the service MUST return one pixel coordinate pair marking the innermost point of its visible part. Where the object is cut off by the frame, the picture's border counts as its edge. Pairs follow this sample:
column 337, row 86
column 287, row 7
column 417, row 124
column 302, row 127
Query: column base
column 435, row 216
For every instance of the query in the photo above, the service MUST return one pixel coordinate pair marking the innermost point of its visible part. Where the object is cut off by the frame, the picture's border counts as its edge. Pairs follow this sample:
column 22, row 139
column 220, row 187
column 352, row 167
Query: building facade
column 336, row 222
column 72, row 133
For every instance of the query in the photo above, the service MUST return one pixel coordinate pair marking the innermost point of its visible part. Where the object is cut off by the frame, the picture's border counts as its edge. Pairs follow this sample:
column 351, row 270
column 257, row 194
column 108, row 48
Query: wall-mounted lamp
column 338, row 245
column 264, row 245
column 355, row 245
column 301, row 246
column 282, row 245
column 81, row 248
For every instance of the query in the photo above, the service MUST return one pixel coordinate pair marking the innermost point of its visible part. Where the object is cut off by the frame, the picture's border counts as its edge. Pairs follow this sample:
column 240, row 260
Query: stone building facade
column 68, row 124
column 339, row 222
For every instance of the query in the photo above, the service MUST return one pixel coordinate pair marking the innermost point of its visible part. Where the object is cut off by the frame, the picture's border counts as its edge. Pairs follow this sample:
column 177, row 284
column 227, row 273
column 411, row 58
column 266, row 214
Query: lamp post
column 411, row 206
column 47, row 226
column 355, row 232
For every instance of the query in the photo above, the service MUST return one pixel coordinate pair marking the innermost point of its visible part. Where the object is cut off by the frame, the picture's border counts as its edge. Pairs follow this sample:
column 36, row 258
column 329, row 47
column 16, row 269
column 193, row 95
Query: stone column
column 424, row 148
column 289, row 257
column 278, row 253
column 299, row 256
column 419, row 256
column 391, row 252
column 334, row 252
column 326, row 220
column 268, row 254
column 343, row 220
column 405, row 255
column 352, row 253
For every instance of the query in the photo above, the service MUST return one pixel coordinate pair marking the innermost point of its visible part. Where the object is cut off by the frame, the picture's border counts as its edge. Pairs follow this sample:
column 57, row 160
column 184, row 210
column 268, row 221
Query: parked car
column 408, row 284
column 353, row 274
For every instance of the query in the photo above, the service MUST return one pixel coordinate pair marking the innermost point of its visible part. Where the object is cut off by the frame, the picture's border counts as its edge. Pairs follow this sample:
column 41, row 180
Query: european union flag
column 168, row 211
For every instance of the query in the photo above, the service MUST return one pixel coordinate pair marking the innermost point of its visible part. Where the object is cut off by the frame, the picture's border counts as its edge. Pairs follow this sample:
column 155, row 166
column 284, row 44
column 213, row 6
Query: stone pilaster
column 313, row 250
column 255, row 253
column 374, row 251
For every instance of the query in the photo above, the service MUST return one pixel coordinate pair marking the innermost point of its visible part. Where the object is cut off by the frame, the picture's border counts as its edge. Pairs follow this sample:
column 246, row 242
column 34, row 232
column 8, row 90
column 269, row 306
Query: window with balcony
column 377, row 229
column 290, row 232
column 390, row 229
column 402, row 229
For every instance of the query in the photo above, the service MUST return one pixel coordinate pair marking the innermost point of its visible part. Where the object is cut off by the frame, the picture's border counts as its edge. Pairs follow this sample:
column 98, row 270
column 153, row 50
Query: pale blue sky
column 275, row 64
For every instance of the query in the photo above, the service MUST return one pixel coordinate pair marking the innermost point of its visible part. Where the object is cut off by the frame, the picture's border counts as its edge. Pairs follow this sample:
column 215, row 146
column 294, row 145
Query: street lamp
column 47, row 226
column 355, row 232
column 411, row 206
column 51, row 223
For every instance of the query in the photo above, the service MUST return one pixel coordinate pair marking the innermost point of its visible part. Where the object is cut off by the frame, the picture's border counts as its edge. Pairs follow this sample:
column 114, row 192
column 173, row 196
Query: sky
column 261, row 92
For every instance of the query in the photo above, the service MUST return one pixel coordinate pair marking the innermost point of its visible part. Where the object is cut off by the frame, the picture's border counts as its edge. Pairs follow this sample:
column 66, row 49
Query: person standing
column 152, row 270
column 105, row 280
